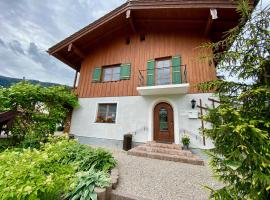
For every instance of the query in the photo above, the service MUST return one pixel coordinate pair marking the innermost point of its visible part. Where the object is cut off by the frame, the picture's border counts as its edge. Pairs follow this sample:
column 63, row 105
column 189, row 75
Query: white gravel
column 158, row 179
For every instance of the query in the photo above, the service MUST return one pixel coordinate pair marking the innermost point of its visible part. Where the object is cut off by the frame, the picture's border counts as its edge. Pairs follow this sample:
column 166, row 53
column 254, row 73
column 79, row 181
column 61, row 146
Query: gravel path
column 160, row 180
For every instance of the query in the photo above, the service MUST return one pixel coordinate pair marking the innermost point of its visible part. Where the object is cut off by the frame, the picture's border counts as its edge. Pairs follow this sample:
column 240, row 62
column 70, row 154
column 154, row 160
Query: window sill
column 104, row 122
column 110, row 81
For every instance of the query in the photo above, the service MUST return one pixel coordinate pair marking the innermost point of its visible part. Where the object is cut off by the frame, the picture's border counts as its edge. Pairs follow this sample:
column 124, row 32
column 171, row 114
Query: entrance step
column 163, row 145
column 170, row 152
column 164, row 150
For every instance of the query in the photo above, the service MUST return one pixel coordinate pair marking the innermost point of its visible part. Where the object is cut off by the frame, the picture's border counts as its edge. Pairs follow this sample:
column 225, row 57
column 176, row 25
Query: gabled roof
column 137, row 13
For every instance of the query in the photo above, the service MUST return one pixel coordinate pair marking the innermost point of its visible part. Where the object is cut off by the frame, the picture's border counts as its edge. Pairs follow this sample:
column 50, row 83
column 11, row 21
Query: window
column 111, row 74
column 106, row 113
column 163, row 72
column 163, row 119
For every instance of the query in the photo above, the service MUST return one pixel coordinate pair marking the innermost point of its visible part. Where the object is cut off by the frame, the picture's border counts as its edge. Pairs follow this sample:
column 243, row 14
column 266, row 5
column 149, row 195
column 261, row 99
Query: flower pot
column 185, row 147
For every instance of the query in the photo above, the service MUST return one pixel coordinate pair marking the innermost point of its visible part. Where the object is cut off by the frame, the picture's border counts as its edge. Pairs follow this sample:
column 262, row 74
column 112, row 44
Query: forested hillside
column 7, row 81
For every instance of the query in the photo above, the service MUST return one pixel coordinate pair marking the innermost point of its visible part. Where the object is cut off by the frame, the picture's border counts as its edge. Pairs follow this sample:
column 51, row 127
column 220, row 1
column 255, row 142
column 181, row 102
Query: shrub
column 99, row 158
column 33, row 174
column 87, row 181
column 42, row 108
column 49, row 172
column 84, row 156
column 5, row 143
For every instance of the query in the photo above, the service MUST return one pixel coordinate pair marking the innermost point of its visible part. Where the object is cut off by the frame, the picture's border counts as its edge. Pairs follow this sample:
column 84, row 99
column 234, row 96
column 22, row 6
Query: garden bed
column 59, row 169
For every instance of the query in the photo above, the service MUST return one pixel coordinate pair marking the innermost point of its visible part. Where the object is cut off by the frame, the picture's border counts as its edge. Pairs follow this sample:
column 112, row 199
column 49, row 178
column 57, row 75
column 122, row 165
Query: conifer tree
column 241, row 123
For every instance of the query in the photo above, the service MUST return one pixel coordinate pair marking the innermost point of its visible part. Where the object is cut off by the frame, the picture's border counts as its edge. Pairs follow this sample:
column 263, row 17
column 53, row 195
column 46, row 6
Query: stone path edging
column 106, row 193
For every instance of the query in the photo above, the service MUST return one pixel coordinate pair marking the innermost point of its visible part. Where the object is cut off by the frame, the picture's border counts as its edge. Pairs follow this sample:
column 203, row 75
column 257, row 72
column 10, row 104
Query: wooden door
column 163, row 123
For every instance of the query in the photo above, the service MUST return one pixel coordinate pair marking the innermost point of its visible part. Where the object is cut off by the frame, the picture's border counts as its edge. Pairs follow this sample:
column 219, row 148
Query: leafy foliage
column 50, row 172
column 185, row 140
column 5, row 143
column 241, row 123
column 41, row 110
column 33, row 174
column 86, row 184
column 84, row 156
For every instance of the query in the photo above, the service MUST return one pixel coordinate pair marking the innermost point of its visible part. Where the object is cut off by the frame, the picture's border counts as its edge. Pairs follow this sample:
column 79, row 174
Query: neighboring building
column 138, row 67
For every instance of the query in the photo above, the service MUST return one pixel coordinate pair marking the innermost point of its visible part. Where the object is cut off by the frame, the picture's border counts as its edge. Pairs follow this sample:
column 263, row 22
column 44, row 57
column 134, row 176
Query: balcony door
column 163, row 72
column 163, row 123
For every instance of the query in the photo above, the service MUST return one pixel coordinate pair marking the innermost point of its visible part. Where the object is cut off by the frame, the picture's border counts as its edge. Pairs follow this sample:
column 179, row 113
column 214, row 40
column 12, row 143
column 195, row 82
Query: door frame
column 156, row 136
column 150, row 128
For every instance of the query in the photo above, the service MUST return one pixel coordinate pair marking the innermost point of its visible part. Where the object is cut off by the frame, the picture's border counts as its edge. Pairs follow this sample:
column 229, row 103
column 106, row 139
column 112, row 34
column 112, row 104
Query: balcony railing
column 163, row 76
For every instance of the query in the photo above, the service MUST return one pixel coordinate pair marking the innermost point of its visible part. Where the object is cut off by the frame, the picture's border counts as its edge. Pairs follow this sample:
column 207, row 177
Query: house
column 138, row 67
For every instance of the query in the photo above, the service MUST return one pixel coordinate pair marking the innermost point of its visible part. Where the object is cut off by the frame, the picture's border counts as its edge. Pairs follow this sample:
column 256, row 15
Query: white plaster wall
column 135, row 114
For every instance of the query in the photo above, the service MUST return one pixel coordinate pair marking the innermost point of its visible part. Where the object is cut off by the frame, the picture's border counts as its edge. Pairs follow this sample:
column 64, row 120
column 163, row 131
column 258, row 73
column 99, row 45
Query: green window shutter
column 150, row 72
column 96, row 74
column 125, row 71
column 176, row 70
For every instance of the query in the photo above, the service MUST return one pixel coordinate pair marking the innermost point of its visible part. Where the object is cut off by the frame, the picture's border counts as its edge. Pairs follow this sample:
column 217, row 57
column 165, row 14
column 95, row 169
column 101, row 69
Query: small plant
column 185, row 141
column 87, row 181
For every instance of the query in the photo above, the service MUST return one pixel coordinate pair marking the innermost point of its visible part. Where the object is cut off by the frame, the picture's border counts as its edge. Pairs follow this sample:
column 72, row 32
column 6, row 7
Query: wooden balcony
column 163, row 81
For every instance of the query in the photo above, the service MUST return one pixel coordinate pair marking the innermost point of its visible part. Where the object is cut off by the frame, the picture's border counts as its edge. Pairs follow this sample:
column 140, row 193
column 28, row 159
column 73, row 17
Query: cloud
column 28, row 28
column 16, row 47
column 2, row 43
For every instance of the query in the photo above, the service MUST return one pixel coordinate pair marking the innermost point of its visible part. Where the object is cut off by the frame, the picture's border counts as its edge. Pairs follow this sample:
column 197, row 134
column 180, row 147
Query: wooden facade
column 171, row 27
column 156, row 45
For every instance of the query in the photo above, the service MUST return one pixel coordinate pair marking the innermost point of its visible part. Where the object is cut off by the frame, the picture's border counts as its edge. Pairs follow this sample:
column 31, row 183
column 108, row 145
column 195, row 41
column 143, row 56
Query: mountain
column 7, row 81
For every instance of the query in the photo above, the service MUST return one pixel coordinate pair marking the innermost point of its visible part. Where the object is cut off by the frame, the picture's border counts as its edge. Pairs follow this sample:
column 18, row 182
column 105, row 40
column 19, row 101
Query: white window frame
column 116, row 113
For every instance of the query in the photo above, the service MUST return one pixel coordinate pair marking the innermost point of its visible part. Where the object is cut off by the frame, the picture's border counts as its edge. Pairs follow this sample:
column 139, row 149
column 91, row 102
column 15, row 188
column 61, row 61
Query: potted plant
column 185, row 141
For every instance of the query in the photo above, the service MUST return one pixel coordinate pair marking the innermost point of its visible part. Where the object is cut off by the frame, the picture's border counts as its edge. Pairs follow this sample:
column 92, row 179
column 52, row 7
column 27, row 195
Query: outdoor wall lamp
column 193, row 103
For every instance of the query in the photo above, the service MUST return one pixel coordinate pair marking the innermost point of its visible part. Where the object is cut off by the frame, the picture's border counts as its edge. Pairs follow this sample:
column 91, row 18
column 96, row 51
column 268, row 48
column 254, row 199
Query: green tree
column 241, row 123
column 42, row 108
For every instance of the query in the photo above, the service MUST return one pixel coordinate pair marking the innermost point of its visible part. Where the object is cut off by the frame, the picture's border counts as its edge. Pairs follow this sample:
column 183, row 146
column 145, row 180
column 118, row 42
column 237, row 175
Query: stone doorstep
column 161, row 156
column 162, row 145
column 164, row 150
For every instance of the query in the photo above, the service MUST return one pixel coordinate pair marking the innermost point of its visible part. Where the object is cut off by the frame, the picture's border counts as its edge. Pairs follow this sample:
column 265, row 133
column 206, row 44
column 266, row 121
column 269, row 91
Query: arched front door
column 163, row 123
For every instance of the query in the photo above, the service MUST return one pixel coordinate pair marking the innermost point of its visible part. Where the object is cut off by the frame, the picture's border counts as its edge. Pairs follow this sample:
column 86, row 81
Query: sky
column 29, row 27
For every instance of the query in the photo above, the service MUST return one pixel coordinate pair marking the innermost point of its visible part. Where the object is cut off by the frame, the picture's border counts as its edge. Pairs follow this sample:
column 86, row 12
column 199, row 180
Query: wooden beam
column 75, row 80
column 208, row 26
column 69, row 47
column 211, row 18
column 131, row 22
column 128, row 14
column 202, row 107
column 65, row 61
column 171, row 20
column 76, row 50
column 202, row 122
column 214, row 100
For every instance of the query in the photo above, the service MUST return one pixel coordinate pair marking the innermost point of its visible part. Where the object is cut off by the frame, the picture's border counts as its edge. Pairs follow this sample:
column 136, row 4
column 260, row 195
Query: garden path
column 158, row 179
